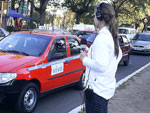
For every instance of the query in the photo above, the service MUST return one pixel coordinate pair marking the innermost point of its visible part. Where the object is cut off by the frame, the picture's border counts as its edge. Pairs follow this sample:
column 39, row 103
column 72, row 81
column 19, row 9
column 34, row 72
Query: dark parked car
column 124, row 44
column 91, row 39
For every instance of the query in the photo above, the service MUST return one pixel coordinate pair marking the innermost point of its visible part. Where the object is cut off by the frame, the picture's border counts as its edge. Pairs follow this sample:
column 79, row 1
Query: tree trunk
column 13, row 4
column 31, row 15
column 144, row 27
column 78, row 16
column 63, row 22
column 42, row 16
column 53, row 22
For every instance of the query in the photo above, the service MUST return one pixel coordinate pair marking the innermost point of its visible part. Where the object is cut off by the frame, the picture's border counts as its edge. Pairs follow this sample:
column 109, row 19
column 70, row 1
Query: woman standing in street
column 101, row 61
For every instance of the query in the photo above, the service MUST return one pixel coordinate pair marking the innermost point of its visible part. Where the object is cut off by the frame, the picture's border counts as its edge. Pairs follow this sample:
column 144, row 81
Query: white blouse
column 101, row 64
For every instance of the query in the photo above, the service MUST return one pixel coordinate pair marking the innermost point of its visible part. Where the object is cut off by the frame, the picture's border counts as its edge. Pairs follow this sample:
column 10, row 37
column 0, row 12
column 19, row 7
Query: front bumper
column 10, row 91
column 143, row 51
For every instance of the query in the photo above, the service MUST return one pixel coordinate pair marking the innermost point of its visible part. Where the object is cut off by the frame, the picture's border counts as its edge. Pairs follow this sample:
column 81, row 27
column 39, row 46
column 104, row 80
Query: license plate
column 137, row 48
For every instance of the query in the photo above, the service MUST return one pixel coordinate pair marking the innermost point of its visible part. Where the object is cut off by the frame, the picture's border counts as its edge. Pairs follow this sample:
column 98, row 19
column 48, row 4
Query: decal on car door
column 57, row 68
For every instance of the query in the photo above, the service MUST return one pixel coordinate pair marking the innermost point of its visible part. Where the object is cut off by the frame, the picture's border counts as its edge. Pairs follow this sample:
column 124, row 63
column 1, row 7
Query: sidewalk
column 133, row 96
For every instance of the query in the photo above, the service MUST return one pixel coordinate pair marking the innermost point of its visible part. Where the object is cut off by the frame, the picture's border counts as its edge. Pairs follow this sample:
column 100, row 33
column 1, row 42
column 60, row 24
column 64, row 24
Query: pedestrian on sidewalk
column 101, row 61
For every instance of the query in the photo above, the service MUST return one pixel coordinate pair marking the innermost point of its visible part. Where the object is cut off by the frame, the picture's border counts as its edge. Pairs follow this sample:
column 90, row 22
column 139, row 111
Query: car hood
column 10, row 61
column 140, row 43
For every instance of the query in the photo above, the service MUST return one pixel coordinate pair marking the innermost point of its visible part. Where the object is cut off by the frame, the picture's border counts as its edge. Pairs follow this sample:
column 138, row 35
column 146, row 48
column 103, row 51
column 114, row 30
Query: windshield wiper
column 15, row 51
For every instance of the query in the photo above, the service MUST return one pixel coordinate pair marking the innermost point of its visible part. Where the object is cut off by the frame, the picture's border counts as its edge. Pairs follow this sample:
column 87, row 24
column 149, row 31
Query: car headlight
column 147, row 47
column 6, row 77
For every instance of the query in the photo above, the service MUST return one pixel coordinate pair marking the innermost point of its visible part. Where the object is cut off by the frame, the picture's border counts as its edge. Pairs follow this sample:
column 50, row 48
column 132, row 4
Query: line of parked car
column 130, row 42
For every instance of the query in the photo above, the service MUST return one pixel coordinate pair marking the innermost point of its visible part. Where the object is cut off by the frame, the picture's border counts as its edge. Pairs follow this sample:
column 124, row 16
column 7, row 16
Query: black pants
column 94, row 103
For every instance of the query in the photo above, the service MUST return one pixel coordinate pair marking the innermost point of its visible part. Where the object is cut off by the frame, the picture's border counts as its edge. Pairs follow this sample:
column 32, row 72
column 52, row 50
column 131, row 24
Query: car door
column 125, row 47
column 58, row 68
column 75, row 64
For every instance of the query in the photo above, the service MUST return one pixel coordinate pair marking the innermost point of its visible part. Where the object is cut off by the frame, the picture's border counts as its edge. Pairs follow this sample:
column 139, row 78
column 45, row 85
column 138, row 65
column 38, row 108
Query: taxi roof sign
column 45, row 27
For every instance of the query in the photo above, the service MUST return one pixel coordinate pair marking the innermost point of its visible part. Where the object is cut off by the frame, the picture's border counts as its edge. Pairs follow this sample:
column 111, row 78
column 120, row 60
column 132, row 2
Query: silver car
column 141, row 43
column 3, row 33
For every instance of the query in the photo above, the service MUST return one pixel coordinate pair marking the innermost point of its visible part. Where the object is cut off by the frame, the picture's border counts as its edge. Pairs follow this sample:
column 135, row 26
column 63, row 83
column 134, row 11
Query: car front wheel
column 28, row 99
column 81, row 84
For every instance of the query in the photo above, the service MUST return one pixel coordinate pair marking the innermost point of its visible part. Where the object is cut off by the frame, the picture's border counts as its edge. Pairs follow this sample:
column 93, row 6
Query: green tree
column 132, row 12
column 79, row 7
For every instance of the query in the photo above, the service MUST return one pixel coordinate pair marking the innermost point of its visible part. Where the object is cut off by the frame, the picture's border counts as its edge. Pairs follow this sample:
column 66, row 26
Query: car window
column 33, row 45
column 74, row 46
column 125, row 40
column 120, row 40
column 123, row 31
column 58, row 49
column 91, row 38
column 1, row 33
column 80, row 33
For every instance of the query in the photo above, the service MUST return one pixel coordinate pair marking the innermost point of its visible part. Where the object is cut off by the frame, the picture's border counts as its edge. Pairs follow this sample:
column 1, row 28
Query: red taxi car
column 32, row 63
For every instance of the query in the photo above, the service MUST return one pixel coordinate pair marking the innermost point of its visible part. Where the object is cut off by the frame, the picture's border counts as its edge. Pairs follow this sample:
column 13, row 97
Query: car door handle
column 66, row 62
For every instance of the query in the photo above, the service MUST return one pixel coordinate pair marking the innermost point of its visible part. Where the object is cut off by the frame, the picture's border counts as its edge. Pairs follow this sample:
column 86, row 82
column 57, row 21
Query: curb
column 78, row 109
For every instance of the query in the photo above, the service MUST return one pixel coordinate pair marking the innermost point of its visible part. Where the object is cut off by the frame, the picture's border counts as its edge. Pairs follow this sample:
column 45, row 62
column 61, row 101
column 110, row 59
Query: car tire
column 81, row 83
column 27, row 99
column 126, row 62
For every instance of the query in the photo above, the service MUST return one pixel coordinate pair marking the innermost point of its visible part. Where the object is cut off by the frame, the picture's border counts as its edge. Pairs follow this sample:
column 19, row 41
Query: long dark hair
column 110, row 20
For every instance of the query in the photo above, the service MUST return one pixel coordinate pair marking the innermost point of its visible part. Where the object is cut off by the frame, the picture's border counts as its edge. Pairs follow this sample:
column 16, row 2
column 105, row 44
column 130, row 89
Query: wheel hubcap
column 30, row 99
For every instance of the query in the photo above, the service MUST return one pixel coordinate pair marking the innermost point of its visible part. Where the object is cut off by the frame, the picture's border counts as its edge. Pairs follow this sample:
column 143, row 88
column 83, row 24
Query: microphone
column 83, row 44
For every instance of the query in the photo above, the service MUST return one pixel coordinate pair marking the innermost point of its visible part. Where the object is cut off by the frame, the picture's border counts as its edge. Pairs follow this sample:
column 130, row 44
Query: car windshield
column 25, row 44
column 92, row 37
column 123, row 31
column 142, row 37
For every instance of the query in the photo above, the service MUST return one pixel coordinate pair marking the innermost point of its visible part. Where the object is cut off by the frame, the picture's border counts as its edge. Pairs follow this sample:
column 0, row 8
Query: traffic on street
column 52, row 52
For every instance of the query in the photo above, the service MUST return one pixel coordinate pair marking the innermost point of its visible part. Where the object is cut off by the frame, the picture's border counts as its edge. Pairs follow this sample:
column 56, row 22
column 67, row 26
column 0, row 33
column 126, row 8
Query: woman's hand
column 82, row 55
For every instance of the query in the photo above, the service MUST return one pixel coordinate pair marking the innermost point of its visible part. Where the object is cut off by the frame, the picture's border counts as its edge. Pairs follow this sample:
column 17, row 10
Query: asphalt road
column 67, row 99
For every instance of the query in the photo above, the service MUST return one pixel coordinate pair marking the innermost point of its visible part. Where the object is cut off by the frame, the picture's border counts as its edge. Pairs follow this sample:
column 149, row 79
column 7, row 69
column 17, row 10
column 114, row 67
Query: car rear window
column 123, row 31
column 32, row 45
column 91, row 38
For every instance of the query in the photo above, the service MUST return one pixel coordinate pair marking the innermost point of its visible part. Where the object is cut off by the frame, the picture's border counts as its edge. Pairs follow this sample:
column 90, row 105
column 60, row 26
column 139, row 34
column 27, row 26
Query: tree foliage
column 133, row 12
column 79, row 7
